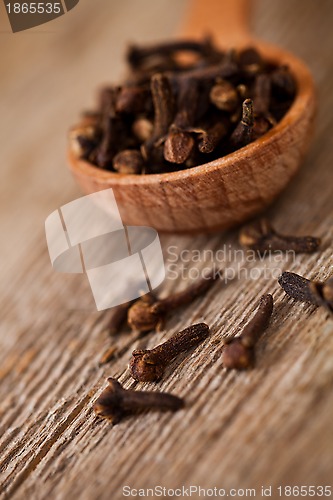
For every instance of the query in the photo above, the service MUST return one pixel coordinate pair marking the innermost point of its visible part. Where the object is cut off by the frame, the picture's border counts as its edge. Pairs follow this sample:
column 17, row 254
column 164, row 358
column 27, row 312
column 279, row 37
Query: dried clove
column 239, row 352
column 136, row 56
column 110, row 126
column 163, row 101
column 224, row 96
column 208, row 139
column 242, row 135
column 141, row 317
column 316, row 292
column 263, row 119
column 262, row 124
column 283, row 82
column 262, row 95
column 115, row 402
column 149, row 365
column 179, row 143
column 262, row 237
column 83, row 139
column 133, row 100
column 142, row 128
column 128, row 161
column 148, row 313
column 250, row 61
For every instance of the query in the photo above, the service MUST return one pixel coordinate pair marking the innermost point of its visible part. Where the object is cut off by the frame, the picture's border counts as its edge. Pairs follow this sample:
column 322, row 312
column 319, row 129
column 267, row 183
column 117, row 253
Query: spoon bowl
column 229, row 190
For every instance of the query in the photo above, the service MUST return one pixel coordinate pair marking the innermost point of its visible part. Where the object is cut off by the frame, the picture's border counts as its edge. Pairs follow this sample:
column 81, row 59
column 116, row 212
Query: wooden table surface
column 269, row 426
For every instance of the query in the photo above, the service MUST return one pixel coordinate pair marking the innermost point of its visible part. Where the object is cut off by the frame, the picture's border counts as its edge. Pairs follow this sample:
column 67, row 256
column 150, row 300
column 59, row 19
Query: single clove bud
column 128, row 161
column 83, row 139
column 208, row 139
column 239, row 352
column 142, row 128
column 283, row 82
column 243, row 133
column 179, row 143
column 141, row 317
column 163, row 101
column 304, row 290
column 263, row 119
column 110, row 125
column 224, row 96
column 115, row 402
column 262, row 237
column 149, row 365
column 262, row 124
column 262, row 95
column 148, row 313
column 250, row 61
column 137, row 55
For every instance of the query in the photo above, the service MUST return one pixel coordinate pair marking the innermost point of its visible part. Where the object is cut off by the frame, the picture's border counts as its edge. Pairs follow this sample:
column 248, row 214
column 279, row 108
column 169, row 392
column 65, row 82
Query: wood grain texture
column 272, row 425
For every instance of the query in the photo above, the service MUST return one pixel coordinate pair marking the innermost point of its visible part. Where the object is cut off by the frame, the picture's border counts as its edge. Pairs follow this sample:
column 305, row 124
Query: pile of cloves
column 183, row 104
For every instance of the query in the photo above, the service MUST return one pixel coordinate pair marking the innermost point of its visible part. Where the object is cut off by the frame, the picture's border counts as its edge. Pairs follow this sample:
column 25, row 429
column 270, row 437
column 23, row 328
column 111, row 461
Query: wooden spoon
column 229, row 190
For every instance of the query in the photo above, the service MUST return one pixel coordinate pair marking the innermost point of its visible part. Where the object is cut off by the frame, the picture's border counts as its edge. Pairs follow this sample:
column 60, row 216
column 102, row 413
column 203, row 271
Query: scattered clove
column 316, row 292
column 141, row 317
column 115, row 402
column 148, row 313
column 239, row 352
column 262, row 237
column 149, row 365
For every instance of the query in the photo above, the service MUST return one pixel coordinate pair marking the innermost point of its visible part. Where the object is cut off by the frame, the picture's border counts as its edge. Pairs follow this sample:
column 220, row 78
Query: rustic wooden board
column 269, row 426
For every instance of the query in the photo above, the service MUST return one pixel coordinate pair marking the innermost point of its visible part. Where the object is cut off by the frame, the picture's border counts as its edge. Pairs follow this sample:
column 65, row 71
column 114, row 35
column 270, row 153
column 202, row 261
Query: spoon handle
column 226, row 20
